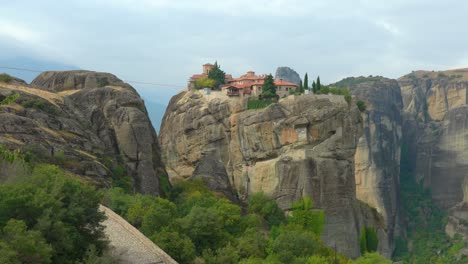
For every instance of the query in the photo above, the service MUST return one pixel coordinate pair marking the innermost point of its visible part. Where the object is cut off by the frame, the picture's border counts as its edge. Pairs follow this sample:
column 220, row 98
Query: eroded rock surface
column 436, row 110
column 302, row 146
column 90, row 123
column 377, row 157
column 287, row 74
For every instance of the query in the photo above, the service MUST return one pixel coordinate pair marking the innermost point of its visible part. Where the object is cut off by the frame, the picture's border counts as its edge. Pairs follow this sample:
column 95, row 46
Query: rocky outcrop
column 56, row 81
column 377, row 158
column 436, row 110
column 302, row 146
column 211, row 170
column 287, row 74
column 90, row 123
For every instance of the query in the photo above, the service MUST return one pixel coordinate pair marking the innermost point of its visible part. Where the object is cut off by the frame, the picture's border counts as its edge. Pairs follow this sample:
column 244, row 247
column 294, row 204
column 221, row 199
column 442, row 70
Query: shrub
column 372, row 258
column 204, row 82
column 348, row 99
column 41, row 105
column 5, row 78
column 442, row 75
column 303, row 216
column 361, row 105
column 101, row 82
column 9, row 99
column 55, row 209
column 266, row 207
column 293, row 243
column 259, row 104
column 369, row 240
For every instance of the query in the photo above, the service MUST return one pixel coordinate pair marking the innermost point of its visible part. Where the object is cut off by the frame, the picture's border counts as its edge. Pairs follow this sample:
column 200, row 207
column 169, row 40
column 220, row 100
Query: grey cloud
column 166, row 41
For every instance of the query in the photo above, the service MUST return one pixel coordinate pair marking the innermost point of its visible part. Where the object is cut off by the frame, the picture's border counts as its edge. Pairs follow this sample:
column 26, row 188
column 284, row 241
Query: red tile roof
column 197, row 76
column 284, row 83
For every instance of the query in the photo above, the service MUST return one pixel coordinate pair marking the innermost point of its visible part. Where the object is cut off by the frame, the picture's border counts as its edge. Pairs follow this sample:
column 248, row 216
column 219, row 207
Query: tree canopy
column 49, row 218
column 217, row 75
column 269, row 87
column 204, row 82
column 306, row 82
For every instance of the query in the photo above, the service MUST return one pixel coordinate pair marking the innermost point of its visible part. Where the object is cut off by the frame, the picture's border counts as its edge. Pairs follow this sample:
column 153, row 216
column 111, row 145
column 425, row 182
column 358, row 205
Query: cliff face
column 87, row 122
column 377, row 158
column 302, row 146
column 436, row 110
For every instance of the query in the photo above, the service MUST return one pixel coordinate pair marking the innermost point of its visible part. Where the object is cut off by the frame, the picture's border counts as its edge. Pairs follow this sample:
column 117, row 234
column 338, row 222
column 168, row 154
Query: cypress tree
column 318, row 84
column 314, row 87
column 217, row 74
column 269, row 87
column 306, row 82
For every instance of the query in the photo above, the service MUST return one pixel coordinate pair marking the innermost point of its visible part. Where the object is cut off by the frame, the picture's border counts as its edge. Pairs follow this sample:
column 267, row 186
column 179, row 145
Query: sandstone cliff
column 436, row 110
column 302, row 146
column 87, row 122
column 377, row 156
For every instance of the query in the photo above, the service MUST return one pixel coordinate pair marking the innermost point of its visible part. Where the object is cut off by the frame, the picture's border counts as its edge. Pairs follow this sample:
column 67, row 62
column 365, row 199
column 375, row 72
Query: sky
column 165, row 42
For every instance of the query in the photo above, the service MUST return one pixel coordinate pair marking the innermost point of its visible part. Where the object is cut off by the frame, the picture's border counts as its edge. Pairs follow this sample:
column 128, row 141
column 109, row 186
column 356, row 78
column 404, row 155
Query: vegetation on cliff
column 196, row 226
column 48, row 217
column 427, row 241
column 204, row 82
column 217, row 75
column 269, row 87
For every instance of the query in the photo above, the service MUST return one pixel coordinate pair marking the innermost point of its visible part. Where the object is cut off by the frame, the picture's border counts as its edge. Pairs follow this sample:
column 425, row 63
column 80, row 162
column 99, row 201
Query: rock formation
column 287, row 74
column 436, row 110
column 302, row 146
column 90, row 123
column 377, row 157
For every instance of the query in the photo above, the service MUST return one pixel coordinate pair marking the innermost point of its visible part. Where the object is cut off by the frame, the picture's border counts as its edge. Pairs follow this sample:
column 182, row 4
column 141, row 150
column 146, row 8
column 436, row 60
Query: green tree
column 64, row 211
column 177, row 245
column 224, row 255
column 306, row 82
column 304, row 216
column 369, row 240
column 7, row 254
column 269, row 87
column 217, row 75
column 361, row 105
column 372, row 258
column 267, row 208
column 204, row 227
column 319, row 260
column 29, row 246
column 204, row 82
column 293, row 243
column 314, row 87
column 301, row 87
column 252, row 244
column 319, row 86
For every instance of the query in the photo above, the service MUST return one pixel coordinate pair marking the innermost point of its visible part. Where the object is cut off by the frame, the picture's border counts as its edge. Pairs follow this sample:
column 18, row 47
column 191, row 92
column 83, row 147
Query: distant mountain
column 287, row 74
column 31, row 64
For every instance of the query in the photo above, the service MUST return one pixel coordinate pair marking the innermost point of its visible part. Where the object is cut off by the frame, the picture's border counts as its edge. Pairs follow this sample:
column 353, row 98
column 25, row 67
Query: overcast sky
column 164, row 41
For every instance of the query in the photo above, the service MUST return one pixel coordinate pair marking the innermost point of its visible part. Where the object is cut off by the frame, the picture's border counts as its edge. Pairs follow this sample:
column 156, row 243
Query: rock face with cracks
column 377, row 159
column 301, row 146
column 436, row 141
column 90, row 123
column 287, row 74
